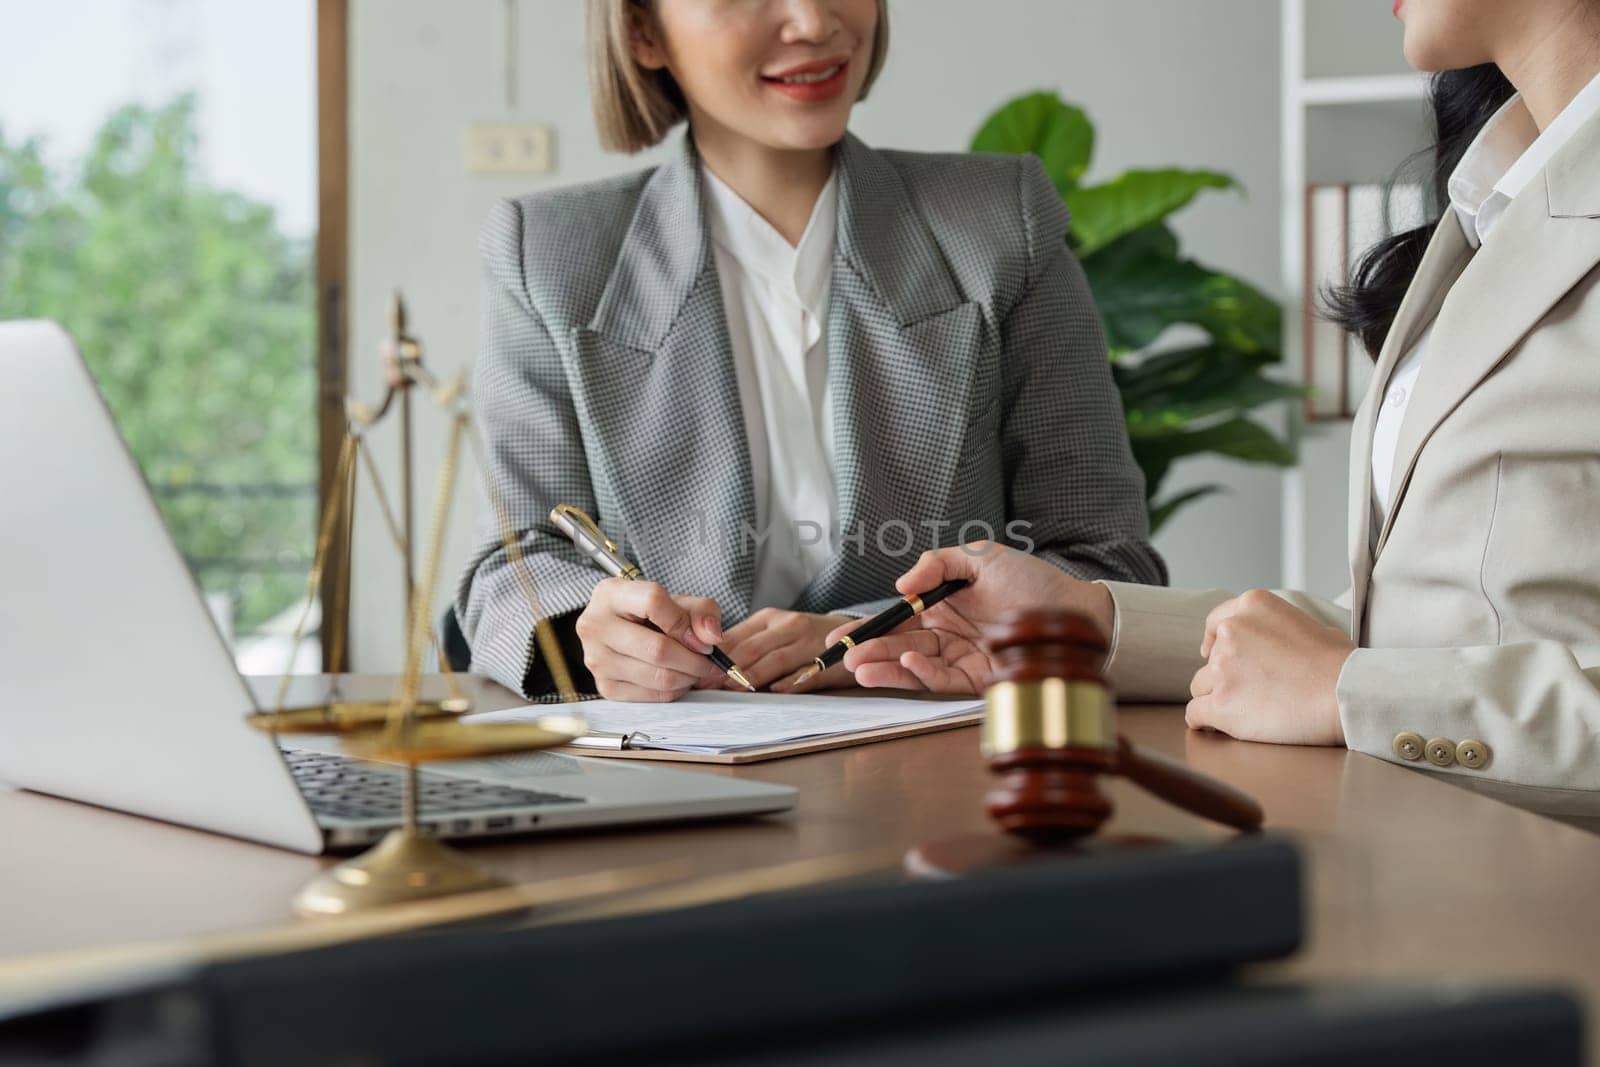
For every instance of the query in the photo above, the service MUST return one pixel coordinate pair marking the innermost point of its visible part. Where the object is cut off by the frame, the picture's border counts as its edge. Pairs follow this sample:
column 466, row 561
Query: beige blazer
column 1478, row 613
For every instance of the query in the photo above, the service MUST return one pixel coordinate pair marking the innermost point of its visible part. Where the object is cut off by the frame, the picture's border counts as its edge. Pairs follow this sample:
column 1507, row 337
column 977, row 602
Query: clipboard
column 761, row 753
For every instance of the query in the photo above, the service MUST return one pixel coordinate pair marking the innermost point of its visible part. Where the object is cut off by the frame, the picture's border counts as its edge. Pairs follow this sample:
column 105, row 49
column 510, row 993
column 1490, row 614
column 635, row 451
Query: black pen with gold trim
column 907, row 607
column 587, row 535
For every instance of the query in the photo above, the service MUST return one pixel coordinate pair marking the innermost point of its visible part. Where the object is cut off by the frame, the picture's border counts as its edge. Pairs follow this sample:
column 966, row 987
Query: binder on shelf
column 1343, row 222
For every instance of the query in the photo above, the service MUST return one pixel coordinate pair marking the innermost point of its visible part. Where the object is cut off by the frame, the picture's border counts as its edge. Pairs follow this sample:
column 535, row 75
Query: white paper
column 717, row 721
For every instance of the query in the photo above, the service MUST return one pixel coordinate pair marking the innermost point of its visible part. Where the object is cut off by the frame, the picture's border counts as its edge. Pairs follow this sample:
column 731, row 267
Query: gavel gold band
column 1048, row 713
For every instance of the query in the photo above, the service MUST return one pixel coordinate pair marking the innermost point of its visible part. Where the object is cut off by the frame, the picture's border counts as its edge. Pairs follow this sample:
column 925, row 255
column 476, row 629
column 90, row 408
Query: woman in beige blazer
column 1469, row 644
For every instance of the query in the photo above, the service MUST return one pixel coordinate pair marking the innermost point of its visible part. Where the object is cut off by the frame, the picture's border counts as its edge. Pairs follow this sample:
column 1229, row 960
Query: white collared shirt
column 1502, row 161
column 775, row 298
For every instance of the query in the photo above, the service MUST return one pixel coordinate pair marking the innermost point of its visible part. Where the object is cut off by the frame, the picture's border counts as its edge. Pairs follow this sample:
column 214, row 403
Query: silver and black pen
column 592, row 541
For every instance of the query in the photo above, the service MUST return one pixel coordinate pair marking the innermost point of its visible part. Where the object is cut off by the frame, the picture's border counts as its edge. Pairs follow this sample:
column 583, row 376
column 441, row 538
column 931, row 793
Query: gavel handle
column 1189, row 789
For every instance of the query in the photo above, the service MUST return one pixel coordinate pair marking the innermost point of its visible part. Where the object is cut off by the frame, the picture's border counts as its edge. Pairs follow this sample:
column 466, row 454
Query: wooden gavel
column 1050, row 731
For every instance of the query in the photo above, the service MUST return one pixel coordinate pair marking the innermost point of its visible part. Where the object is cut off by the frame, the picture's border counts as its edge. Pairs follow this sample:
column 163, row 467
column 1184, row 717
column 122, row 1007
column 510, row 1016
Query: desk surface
column 1408, row 875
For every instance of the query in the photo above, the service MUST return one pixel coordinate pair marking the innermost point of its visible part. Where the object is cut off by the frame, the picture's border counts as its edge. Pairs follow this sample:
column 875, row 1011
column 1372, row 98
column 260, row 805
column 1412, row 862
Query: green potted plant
column 1180, row 400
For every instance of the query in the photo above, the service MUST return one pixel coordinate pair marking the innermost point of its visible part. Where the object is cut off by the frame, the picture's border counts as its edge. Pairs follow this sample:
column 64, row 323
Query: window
column 159, row 198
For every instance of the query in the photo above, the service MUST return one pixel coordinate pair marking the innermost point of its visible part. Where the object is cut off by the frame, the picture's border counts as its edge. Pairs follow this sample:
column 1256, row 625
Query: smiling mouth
column 810, row 77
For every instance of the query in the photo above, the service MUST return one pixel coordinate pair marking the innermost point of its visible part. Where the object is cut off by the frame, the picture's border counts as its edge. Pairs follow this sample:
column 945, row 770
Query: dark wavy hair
column 1462, row 101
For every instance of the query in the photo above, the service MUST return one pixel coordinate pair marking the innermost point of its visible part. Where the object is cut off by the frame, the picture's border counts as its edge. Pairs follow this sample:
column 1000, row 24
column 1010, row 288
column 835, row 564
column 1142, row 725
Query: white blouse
column 775, row 297
column 1505, row 157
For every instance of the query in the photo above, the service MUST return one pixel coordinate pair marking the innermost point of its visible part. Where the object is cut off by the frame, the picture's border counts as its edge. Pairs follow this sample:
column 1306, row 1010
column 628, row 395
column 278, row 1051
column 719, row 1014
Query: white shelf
column 1352, row 113
column 1384, row 88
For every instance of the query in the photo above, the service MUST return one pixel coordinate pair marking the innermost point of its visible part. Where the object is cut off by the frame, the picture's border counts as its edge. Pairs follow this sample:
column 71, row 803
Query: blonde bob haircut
column 634, row 108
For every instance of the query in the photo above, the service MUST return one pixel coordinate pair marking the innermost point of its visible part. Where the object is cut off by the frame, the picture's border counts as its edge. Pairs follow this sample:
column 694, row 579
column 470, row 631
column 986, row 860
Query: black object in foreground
column 1121, row 958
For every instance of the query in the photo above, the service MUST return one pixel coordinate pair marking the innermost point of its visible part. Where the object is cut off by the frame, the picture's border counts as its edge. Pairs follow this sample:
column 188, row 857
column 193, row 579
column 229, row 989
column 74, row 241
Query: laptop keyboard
column 353, row 789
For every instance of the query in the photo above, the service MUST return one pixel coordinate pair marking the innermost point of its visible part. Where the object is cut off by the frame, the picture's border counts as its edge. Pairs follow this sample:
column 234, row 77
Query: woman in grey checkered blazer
column 779, row 365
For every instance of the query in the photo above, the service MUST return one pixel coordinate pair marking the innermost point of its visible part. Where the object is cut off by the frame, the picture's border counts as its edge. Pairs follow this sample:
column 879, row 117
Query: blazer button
column 1408, row 746
column 1441, row 752
column 1472, row 754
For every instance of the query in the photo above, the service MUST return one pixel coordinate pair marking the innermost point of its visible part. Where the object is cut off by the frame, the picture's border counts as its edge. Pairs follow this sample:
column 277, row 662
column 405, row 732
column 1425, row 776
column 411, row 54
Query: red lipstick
column 811, row 91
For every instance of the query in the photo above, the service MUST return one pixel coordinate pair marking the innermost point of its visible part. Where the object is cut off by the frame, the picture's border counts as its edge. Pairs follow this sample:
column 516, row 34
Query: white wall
column 1345, row 40
column 1168, row 82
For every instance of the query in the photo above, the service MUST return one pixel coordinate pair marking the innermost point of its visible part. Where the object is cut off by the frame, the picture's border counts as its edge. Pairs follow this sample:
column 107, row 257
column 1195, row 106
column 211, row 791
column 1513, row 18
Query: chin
column 1421, row 56
column 802, row 137
column 820, row 140
column 1418, row 59
column 1432, row 61
column 1431, row 52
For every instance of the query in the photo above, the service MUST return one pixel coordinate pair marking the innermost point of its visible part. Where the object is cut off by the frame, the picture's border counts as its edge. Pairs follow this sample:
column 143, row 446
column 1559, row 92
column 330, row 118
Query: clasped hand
column 1271, row 673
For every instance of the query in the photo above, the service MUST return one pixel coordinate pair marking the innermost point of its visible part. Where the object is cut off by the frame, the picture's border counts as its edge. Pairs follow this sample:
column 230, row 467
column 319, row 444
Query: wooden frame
column 332, row 255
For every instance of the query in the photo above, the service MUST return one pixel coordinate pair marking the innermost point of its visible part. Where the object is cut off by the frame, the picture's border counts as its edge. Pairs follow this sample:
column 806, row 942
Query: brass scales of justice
column 408, row 864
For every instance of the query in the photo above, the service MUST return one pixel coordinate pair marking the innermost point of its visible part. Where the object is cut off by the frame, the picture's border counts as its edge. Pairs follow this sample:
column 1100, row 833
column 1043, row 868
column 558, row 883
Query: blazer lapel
column 902, row 347
column 1442, row 263
column 657, row 382
column 1541, row 248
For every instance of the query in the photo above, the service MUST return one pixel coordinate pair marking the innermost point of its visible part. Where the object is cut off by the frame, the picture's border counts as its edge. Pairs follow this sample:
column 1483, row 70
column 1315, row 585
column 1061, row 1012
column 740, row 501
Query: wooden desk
column 1408, row 875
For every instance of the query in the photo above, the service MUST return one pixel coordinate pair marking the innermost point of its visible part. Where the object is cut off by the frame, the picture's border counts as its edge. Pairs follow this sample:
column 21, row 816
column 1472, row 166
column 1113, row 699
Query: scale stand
column 408, row 865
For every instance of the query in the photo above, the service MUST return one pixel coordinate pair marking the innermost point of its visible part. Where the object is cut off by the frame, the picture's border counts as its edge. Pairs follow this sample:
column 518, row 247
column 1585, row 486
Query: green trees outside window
column 196, row 316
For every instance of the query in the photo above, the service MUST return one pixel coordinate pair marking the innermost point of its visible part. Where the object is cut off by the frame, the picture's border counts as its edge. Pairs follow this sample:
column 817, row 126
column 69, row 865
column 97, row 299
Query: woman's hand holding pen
column 631, row 661
column 941, row 650
column 774, row 644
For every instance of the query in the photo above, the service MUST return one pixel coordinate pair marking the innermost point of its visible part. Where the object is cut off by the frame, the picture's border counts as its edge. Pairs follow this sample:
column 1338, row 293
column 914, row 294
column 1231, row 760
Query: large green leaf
column 1238, row 438
column 1182, row 364
column 1179, row 387
column 1115, row 260
column 1041, row 123
column 1160, row 513
column 1132, row 201
column 1149, row 379
column 1154, row 241
column 1181, row 403
column 1233, row 398
column 1140, row 296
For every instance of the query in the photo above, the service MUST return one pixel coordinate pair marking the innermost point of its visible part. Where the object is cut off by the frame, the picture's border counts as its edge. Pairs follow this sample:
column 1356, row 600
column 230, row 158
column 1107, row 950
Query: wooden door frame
column 332, row 265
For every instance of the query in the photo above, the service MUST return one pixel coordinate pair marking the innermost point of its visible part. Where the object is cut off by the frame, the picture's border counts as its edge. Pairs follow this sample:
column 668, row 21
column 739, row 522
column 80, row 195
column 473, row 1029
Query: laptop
column 117, row 689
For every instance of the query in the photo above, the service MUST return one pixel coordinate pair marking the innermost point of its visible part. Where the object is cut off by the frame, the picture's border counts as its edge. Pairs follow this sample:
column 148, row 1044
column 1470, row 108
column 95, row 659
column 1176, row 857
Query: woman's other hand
column 1271, row 673
column 631, row 661
column 773, row 644
column 941, row 650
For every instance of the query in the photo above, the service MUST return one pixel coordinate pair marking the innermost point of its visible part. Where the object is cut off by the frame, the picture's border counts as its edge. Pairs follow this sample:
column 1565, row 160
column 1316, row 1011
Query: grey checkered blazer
column 966, row 363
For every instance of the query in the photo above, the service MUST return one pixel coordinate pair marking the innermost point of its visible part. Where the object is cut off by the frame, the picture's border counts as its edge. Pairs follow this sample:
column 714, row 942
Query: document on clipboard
column 719, row 723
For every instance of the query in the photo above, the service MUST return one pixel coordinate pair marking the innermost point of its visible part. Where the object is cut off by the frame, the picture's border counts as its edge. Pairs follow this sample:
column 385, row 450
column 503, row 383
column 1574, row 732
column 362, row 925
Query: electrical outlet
column 500, row 149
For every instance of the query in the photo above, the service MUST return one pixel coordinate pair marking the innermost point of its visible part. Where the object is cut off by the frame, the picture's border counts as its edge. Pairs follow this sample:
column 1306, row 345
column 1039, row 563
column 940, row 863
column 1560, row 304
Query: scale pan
column 430, row 741
column 349, row 716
